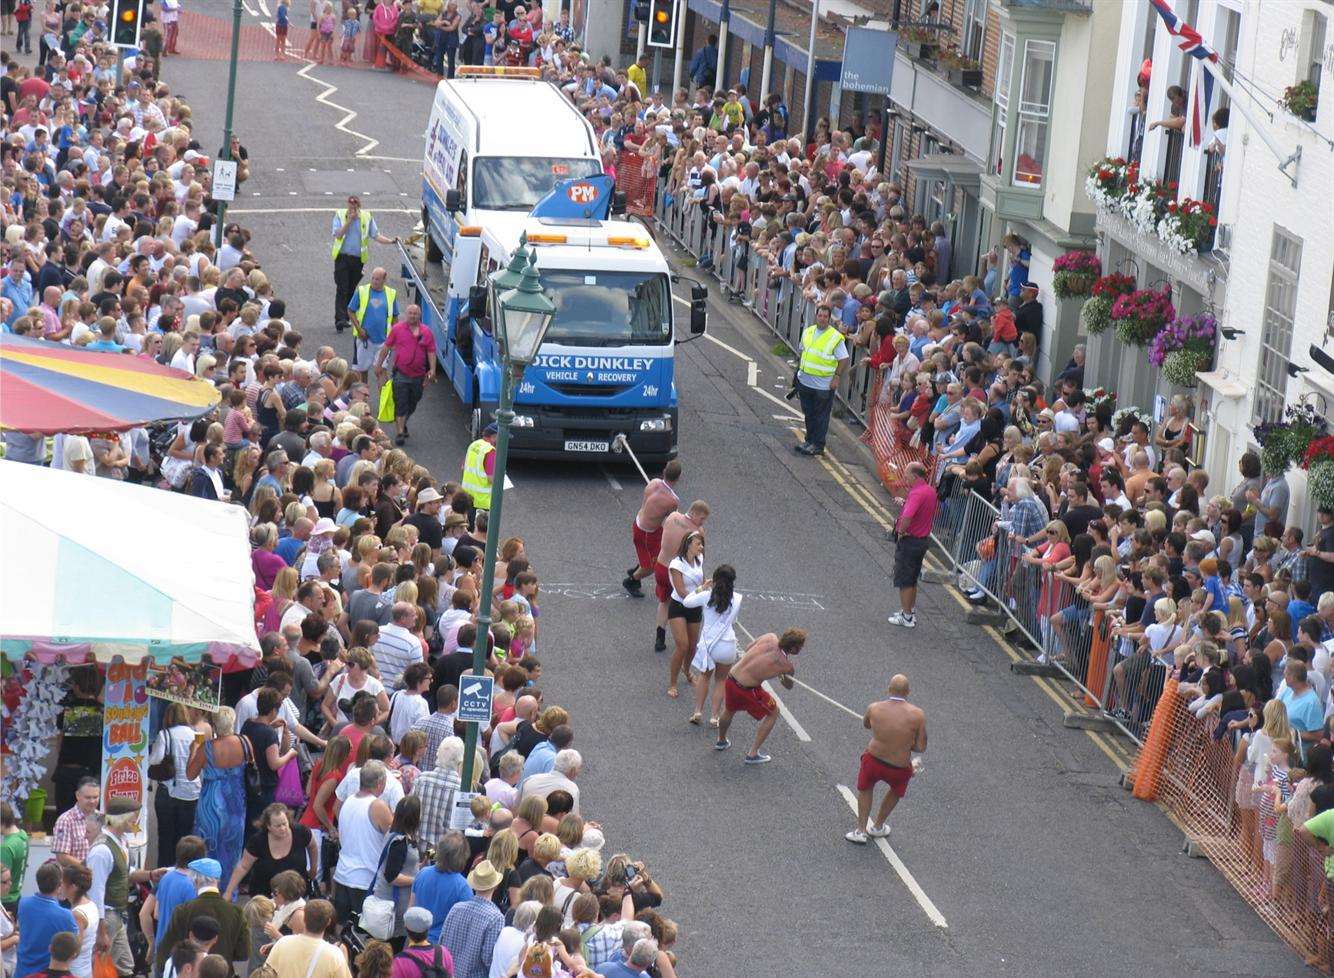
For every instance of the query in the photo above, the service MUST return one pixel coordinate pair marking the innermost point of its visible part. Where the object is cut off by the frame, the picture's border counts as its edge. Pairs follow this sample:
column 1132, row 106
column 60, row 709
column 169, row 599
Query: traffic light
column 639, row 10
column 662, row 23
column 126, row 22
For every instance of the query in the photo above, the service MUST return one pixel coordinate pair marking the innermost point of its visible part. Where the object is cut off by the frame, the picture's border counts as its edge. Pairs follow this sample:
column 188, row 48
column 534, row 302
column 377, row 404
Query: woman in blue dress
column 220, row 815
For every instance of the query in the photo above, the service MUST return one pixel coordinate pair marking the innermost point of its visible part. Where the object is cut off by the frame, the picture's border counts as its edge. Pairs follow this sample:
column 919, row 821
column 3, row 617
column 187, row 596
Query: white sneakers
column 860, row 836
column 902, row 620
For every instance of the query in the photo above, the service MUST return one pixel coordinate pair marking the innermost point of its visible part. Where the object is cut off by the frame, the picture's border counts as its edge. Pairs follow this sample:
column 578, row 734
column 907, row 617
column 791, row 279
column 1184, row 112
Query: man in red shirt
column 413, row 349
column 914, row 540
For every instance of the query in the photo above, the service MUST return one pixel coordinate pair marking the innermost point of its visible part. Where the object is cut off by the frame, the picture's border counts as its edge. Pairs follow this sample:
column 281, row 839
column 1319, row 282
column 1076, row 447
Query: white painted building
column 1270, row 274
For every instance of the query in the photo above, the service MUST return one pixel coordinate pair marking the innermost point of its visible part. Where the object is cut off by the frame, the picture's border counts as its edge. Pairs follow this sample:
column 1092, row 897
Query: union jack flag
column 1192, row 44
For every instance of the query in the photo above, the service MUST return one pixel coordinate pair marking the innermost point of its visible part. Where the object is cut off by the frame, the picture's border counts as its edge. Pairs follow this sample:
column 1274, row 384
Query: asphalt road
column 1017, row 832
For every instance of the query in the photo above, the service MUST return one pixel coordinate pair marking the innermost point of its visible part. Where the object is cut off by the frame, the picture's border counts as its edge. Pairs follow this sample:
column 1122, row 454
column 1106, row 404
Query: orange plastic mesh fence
column 1244, row 830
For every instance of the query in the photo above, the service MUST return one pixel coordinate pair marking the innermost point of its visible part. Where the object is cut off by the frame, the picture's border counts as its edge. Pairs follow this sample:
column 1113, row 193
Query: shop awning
column 47, row 388
column 96, row 567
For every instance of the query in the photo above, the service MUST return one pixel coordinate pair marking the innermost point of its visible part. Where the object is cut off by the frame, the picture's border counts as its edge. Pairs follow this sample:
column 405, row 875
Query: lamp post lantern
column 524, row 313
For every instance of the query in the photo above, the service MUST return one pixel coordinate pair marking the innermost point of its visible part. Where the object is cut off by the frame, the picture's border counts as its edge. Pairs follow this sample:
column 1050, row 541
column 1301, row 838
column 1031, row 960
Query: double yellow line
column 873, row 507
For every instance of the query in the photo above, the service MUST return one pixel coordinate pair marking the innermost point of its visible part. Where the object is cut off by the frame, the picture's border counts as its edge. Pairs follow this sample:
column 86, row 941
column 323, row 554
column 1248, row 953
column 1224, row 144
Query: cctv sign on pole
column 475, row 698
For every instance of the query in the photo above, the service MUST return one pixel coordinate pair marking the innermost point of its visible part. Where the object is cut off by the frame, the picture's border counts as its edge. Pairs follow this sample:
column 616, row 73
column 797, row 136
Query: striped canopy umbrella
column 47, row 388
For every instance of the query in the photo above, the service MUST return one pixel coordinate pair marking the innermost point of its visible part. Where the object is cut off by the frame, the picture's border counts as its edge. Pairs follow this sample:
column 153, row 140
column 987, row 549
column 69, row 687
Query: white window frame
column 975, row 25
column 1033, row 113
column 1280, row 309
column 1004, row 71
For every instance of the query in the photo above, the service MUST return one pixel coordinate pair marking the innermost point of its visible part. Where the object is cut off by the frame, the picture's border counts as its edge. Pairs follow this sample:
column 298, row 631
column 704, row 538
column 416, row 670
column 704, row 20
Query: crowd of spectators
column 324, row 790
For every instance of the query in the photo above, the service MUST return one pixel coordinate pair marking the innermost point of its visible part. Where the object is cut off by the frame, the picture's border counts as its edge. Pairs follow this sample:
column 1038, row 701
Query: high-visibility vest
column 364, row 300
column 364, row 222
column 475, row 479
column 817, row 351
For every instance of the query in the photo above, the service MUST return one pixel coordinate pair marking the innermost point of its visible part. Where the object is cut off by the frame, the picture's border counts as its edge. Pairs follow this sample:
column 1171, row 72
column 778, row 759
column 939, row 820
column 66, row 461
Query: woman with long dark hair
column 686, row 572
column 715, row 652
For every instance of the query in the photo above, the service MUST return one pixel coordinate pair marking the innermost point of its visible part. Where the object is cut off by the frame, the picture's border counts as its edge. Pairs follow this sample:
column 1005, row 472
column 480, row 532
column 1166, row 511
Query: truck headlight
column 656, row 424
column 522, row 421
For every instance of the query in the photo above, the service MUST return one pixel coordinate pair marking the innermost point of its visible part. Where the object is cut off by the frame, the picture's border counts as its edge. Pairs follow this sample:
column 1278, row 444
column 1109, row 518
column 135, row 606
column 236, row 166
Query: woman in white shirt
column 716, row 649
column 174, row 799
column 78, row 881
column 687, row 573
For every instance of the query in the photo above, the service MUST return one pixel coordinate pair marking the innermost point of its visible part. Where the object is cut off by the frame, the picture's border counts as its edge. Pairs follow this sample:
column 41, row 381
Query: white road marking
column 349, row 114
column 915, row 888
column 752, row 373
column 612, row 480
column 792, row 412
column 730, row 349
column 314, row 210
column 786, row 714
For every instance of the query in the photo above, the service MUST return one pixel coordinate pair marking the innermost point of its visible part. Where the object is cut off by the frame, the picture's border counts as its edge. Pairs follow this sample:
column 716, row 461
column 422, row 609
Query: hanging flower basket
column 1320, row 483
column 1283, row 443
column 1096, row 313
column 1075, row 274
column 1141, row 314
column 1181, row 366
column 1193, row 334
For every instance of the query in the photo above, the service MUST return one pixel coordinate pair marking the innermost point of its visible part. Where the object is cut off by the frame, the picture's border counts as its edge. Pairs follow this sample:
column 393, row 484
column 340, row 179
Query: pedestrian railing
column 746, row 277
column 1188, row 765
column 1052, row 623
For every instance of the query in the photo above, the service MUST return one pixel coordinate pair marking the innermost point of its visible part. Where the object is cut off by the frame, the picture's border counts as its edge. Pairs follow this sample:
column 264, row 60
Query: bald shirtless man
column 674, row 530
column 660, row 500
column 898, row 731
column 769, row 657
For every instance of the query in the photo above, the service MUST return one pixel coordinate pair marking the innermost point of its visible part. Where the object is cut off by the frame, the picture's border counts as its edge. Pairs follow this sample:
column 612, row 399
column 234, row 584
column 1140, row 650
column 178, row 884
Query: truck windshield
column 516, row 183
column 608, row 308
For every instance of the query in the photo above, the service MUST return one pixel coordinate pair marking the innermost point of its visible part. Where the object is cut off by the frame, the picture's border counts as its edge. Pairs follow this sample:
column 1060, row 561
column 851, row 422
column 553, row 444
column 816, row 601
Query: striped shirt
column 395, row 650
column 438, row 726
column 436, row 790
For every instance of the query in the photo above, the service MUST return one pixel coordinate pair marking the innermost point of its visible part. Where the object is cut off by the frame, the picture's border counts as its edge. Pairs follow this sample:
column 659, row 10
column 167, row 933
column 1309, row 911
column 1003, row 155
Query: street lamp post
column 524, row 315
column 226, row 152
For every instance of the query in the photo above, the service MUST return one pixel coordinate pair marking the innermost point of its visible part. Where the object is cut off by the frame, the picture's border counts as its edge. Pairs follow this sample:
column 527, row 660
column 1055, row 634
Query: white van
column 498, row 140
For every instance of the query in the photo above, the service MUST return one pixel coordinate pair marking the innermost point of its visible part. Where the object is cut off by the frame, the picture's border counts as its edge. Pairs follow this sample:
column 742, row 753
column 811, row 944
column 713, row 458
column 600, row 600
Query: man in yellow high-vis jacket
column 353, row 231
column 824, row 358
column 479, row 467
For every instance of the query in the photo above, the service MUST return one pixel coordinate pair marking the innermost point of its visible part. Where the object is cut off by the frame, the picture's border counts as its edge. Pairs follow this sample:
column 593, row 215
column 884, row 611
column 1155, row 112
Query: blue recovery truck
column 607, row 365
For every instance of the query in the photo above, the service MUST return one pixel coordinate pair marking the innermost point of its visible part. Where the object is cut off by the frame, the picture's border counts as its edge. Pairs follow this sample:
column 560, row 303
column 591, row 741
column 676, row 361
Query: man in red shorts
column 769, row 657
column 674, row 530
column 660, row 500
column 898, row 732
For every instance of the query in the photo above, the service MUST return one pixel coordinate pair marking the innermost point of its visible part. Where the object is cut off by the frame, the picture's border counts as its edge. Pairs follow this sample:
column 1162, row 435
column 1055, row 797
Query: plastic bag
column 289, row 791
column 386, row 412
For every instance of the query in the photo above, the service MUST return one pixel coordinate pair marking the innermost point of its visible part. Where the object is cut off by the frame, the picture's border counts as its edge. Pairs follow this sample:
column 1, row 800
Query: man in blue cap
column 233, row 934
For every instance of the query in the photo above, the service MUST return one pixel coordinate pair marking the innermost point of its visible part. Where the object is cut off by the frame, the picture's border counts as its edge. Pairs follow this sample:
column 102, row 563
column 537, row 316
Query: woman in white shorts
column 716, row 650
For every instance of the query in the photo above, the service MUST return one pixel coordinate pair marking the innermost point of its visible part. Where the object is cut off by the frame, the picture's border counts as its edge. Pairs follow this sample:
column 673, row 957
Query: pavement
column 1016, row 851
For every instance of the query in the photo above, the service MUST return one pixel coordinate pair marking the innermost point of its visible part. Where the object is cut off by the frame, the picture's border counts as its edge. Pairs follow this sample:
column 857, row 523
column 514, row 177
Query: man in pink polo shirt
column 914, row 540
column 413, row 349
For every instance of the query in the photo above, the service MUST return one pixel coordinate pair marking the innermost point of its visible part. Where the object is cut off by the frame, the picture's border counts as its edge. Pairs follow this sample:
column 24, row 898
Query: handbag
column 378, row 914
column 252, row 780
column 165, row 769
column 289, row 791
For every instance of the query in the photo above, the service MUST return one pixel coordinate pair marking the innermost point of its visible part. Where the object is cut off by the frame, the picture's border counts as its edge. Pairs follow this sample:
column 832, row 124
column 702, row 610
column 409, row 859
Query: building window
column 974, row 28
column 1314, row 60
column 1030, row 144
column 1004, row 61
column 1271, row 381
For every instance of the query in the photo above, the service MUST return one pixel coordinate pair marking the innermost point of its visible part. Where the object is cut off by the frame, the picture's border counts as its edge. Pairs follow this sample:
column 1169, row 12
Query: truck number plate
column 587, row 446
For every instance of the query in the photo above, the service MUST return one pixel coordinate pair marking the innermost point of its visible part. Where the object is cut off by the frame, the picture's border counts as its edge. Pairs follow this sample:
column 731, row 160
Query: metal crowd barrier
column 1057, row 625
column 746, row 277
